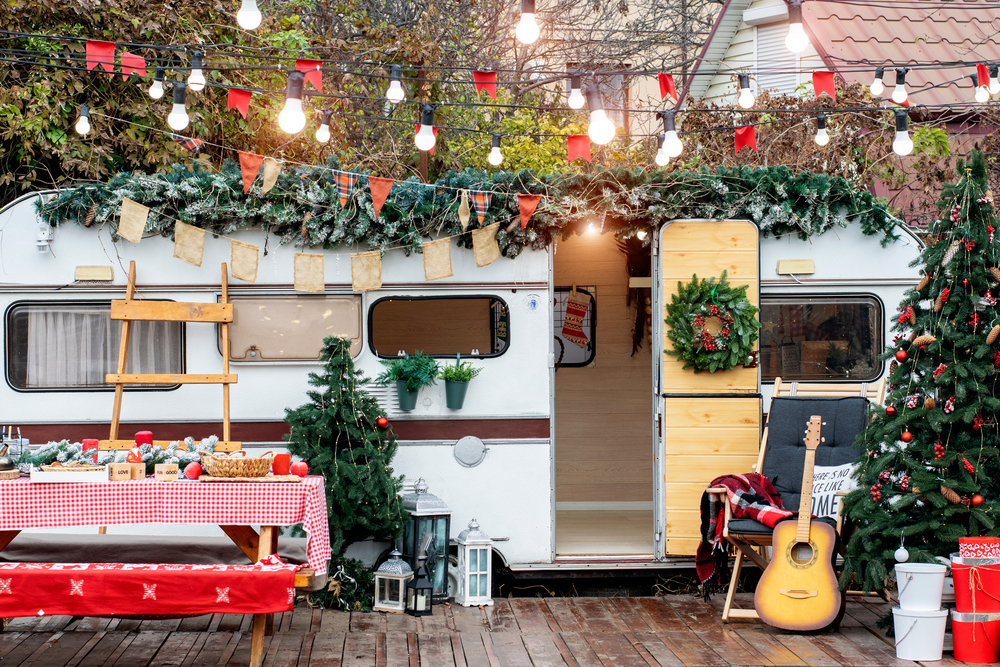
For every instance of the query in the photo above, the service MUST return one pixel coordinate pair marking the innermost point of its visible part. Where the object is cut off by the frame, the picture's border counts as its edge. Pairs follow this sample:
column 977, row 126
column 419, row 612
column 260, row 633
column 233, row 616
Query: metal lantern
column 390, row 582
column 475, row 567
column 428, row 530
column 419, row 595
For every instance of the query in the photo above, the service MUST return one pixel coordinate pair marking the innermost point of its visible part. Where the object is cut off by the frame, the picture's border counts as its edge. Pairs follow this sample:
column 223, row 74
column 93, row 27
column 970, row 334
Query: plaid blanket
column 752, row 496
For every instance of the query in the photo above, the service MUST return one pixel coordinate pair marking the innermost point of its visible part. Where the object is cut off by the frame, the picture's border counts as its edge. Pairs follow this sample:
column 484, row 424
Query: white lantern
column 390, row 584
column 475, row 567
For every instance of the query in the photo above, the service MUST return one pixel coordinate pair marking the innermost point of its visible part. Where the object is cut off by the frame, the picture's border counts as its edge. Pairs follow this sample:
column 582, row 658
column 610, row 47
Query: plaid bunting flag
column 345, row 184
column 481, row 202
column 187, row 143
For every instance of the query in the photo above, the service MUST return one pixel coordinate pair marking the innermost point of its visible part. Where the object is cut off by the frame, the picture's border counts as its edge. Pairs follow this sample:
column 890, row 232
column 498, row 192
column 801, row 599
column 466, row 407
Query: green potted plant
column 456, row 381
column 410, row 372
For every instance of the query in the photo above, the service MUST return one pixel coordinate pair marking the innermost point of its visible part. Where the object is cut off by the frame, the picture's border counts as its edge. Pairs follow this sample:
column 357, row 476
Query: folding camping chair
column 782, row 459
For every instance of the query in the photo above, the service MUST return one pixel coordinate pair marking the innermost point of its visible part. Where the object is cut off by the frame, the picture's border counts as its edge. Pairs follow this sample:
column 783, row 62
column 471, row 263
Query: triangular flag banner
column 486, row 81
column 312, row 73
column 189, row 243
column 983, row 74
column 271, row 170
column 133, row 64
column 746, row 136
column 380, row 188
column 187, row 143
column 578, row 145
column 481, row 201
column 249, row 165
column 434, row 129
column 667, row 86
column 308, row 272
column 240, row 100
column 484, row 244
column 366, row 271
column 527, row 204
column 101, row 54
column 132, row 223
column 823, row 83
column 345, row 185
column 437, row 259
column 244, row 261
column 463, row 209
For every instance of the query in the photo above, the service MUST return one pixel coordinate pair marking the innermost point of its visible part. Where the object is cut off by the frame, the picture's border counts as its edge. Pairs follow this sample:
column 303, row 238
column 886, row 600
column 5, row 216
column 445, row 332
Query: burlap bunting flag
column 244, row 261
column 345, row 185
column 463, row 209
column 527, row 204
column 366, row 271
column 309, row 275
column 437, row 259
column 271, row 170
column 380, row 188
column 484, row 244
column 249, row 165
column 133, row 220
column 481, row 202
column 189, row 243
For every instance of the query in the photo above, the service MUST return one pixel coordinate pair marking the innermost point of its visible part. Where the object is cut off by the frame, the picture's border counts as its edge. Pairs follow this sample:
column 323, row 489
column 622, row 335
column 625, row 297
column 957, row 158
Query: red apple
column 300, row 468
column 193, row 470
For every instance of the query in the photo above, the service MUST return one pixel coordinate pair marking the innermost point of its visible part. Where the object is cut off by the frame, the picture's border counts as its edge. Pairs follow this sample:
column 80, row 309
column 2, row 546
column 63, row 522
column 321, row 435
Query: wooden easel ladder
column 131, row 310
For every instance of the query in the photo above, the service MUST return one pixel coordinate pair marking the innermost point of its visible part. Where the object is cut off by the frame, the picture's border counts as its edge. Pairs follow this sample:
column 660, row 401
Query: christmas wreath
column 689, row 312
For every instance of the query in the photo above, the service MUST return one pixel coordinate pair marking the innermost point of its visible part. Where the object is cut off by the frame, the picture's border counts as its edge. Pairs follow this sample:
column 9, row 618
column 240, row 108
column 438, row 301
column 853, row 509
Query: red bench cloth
column 121, row 589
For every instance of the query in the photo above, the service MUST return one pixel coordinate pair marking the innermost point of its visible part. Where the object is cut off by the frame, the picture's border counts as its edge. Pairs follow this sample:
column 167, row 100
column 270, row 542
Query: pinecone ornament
column 950, row 495
column 992, row 336
column 925, row 339
column 995, row 272
column 949, row 254
column 91, row 214
column 939, row 302
column 913, row 318
column 925, row 281
column 305, row 230
column 930, row 404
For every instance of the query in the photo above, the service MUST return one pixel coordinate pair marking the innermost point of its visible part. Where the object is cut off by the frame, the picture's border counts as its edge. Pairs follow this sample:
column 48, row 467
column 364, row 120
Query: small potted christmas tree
column 410, row 373
column 456, row 381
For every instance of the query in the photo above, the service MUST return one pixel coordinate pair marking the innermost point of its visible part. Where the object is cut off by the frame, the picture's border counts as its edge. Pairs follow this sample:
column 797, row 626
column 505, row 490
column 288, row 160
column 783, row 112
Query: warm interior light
column 249, row 16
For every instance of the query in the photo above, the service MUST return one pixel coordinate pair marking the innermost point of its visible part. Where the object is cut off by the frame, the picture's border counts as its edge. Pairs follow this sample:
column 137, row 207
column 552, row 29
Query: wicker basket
column 237, row 466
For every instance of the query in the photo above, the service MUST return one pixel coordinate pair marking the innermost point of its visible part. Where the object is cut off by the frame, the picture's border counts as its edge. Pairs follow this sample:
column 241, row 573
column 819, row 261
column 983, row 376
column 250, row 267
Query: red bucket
column 979, row 547
column 976, row 637
column 977, row 585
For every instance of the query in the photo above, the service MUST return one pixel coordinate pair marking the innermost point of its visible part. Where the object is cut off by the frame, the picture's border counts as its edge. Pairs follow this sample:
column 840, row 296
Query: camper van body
column 510, row 406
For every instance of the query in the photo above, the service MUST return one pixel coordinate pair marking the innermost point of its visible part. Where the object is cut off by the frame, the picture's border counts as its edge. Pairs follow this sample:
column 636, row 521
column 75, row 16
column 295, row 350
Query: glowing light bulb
column 425, row 139
column 601, row 130
column 249, row 16
column 156, row 90
column 796, row 41
column 672, row 144
column 527, row 30
column 822, row 136
column 899, row 92
column 292, row 119
column 83, row 122
column 902, row 144
column 746, row 98
column 178, row 118
column 495, row 157
column 877, row 86
column 982, row 94
column 196, row 80
column 661, row 159
column 641, row 234
column 395, row 92
column 994, row 80
column 323, row 133
column 576, row 99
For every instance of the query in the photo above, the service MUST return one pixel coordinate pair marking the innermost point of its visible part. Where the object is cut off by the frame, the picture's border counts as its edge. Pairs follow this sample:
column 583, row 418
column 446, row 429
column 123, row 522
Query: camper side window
column 71, row 346
column 821, row 338
column 440, row 326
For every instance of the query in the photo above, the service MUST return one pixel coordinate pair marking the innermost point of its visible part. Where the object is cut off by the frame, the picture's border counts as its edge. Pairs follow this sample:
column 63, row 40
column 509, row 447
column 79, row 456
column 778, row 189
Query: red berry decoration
column 938, row 450
column 906, row 436
column 382, row 422
column 901, row 356
column 890, row 411
column 977, row 500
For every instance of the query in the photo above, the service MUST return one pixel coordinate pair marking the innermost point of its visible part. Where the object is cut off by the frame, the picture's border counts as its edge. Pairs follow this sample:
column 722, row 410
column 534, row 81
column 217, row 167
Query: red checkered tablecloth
column 27, row 505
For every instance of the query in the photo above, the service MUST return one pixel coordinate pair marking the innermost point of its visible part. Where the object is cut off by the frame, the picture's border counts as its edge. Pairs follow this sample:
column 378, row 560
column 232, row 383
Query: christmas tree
column 343, row 434
column 927, row 474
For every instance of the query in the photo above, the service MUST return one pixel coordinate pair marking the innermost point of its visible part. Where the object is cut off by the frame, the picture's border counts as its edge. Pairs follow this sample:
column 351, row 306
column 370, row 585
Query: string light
column 661, row 158
column 249, row 16
column 196, row 80
column 527, row 29
column 672, row 143
column 425, row 139
column 323, row 133
column 994, row 80
column 822, row 136
column 797, row 40
column 576, row 99
column 877, row 86
column 601, row 130
column 746, row 98
column 292, row 119
column 83, row 121
column 495, row 157
column 156, row 90
column 902, row 144
column 178, row 118
column 982, row 89
column 395, row 92
column 899, row 92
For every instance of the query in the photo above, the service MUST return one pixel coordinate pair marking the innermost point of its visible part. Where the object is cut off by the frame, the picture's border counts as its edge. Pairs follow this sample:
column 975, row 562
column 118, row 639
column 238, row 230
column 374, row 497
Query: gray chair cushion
column 751, row 527
column 843, row 420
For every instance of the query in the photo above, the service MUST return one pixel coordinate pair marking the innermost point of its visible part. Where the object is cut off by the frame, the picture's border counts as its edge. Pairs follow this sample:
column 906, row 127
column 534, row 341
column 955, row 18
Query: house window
column 568, row 353
column 291, row 328
column 821, row 338
column 439, row 326
column 777, row 67
column 71, row 346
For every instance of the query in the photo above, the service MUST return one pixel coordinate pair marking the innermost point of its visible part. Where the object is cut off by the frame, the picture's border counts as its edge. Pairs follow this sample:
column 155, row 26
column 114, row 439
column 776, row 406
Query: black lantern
column 426, row 537
column 419, row 595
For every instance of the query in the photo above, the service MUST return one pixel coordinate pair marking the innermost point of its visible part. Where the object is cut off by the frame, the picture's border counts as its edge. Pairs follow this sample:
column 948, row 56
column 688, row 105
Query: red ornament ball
column 902, row 356
column 193, row 470
column 906, row 436
column 890, row 411
column 977, row 500
column 382, row 422
column 300, row 468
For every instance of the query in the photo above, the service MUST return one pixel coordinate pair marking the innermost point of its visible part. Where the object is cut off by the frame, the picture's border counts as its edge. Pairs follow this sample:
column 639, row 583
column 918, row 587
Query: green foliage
column 931, row 141
column 416, row 370
column 460, row 371
column 337, row 433
column 351, row 587
column 955, row 438
column 66, row 452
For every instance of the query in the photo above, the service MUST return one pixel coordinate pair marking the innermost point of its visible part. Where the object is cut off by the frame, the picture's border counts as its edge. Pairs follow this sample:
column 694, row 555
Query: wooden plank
column 396, row 649
column 327, row 649
column 844, row 651
column 580, row 649
column 53, row 623
column 365, row 622
column 469, row 619
column 211, row 651
column 88, row 624
column 221, row 446
column 510, row 650
column 501, row 617
column 457, row 651
column 238, row 650
column 659, row 615
column 359, row 650
column 201, row 639
column 335, row 620
column 85, row 649
column 195, row 623
column 767, row 645
column 175, row 649
column 875, row 647
column 595, row 616
column 566, row 615
column 474, row 651
column 692, row 649
column 160, row 625
column 731, row 440
column 617, row 650
column 542, row 650
column 142, row 649
column 301, row 620
column 230, row 622
column 723, row 234
column 171, row 311
column 529, row 616
column 288, row 650
column 723, row 640
column 435, row 649
column 629, row 613
column 170, row 378
column 661, row 653
column 436, row 622
column 9, row 640
column 246, row 538
column 701, row 414
column 807, row 650
column 105, row 649
column 128, row 624
column 400, row 623
column 604, row 532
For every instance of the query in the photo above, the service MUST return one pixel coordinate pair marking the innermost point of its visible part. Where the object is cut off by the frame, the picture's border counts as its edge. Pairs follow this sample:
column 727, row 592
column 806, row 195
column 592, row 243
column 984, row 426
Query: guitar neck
column 805, row 500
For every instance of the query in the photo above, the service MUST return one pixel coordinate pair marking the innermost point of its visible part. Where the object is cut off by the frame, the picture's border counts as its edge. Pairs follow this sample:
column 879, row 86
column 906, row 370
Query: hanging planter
column 456, row 382
column 409, row 373
column 407, row 398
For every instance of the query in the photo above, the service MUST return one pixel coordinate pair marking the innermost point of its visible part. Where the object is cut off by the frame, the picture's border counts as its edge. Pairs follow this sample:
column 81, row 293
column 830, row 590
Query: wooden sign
column 165, row 472
column 118, row 472
column 138, row 470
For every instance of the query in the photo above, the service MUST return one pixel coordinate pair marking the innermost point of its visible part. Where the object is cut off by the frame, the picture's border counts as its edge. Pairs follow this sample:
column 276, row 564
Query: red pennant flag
column 746, row 136
column 380, row 188
column 435, row 135
column 823, row 83
column 240, row 100
column 312, row 73
column 578, row 145
column 249, row 165
column 101, row 54
column 132, row 63
column 527, row 204
column 667, row 86
column 486, row 81
column 983, row 74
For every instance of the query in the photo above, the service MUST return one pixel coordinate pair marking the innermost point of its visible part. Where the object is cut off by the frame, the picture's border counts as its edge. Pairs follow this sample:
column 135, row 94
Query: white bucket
column 919, row 634
column 920, row 585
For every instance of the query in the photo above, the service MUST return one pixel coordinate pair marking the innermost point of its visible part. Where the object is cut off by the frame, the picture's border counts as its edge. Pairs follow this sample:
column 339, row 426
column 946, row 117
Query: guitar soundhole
column 801, row 554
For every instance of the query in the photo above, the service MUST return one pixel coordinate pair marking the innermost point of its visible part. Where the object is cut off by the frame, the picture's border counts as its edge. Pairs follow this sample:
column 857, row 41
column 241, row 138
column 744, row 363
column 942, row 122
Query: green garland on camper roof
column 624, row 202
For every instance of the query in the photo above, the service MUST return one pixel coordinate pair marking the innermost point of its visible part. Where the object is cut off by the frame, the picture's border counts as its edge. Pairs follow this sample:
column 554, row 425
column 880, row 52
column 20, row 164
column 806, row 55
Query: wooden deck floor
column 676, row 631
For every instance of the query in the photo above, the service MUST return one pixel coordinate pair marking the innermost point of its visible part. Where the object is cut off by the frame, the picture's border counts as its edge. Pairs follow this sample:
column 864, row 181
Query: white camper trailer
column 592, row 457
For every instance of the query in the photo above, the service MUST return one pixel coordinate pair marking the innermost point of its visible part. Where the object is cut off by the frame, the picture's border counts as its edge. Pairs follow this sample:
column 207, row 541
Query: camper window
column 439, row 326
column 71, row 346
column 291, row 328
column 821, row 338
column 576, row 353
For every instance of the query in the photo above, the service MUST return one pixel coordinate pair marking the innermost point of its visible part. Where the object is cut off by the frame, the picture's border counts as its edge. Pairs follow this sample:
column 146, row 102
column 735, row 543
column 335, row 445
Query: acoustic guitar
column 798, row 590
